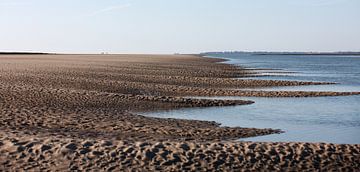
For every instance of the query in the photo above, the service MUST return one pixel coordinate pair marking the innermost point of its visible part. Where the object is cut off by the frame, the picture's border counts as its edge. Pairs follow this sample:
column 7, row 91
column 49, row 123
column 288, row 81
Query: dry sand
column 68, row 112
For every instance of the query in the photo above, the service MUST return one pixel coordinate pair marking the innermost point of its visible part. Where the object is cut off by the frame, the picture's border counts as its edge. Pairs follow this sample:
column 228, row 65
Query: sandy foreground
column 78, row 112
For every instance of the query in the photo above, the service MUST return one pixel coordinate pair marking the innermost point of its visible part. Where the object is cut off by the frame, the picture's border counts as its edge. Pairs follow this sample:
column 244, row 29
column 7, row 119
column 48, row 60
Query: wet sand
column 68, row 112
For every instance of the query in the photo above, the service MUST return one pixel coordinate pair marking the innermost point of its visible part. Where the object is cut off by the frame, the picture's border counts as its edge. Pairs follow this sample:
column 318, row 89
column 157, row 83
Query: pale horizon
column 163, row 27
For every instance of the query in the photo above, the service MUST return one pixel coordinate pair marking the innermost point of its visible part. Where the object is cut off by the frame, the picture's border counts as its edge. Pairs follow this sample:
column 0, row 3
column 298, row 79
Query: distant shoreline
column 304, row 54
column 22, row 53
column 290, row 53
column 232, row 52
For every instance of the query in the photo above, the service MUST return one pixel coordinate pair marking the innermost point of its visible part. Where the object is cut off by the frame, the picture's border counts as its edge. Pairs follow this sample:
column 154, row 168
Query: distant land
column 21, row 53
column 223, row 52
column 287, row 53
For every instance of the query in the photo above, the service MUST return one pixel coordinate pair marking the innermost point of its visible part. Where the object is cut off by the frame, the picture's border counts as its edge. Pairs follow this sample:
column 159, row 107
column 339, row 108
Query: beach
column 78, row 112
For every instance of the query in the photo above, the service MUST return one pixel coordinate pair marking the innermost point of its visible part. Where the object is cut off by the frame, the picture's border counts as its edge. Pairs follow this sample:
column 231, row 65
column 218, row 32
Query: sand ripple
column 78, row 112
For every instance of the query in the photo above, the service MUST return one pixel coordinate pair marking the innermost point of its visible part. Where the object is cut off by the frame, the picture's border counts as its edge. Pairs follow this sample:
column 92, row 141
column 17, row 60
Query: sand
column 53, row 154
column 77, row 112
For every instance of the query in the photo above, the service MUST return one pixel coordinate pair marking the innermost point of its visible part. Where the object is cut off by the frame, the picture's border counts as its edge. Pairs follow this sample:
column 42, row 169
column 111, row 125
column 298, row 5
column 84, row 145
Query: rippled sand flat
column 76, row 112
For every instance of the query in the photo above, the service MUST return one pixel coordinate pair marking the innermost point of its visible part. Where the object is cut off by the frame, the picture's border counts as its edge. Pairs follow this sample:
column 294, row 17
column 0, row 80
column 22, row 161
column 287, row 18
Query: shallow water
column 318, row 119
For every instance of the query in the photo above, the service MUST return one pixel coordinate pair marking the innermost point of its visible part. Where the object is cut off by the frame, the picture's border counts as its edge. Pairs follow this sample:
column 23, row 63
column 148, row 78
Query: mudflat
column 78, row 112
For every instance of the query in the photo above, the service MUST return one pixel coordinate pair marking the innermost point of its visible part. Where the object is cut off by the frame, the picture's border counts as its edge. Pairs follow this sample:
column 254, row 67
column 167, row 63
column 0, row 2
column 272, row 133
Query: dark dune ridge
column 68, row 112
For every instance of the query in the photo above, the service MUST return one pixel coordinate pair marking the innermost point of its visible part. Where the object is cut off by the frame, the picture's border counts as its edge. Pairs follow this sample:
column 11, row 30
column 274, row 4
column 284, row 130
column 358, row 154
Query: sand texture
column 77, row 112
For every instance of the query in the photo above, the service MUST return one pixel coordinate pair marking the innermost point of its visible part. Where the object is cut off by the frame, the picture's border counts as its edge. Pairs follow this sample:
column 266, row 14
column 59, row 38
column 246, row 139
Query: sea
column 310, row 119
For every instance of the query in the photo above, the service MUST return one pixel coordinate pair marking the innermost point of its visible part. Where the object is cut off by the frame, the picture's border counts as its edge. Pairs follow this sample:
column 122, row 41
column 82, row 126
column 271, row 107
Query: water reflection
column 317, row 119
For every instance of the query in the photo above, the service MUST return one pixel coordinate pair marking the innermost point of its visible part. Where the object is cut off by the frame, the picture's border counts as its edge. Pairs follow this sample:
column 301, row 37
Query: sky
column 179, row 26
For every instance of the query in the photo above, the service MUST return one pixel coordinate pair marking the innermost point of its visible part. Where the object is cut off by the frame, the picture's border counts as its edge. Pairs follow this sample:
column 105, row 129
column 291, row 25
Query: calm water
column 319, row 119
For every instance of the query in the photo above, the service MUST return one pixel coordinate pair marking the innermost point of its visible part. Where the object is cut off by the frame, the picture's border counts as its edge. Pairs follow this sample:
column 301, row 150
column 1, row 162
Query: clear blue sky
column 184, row 26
